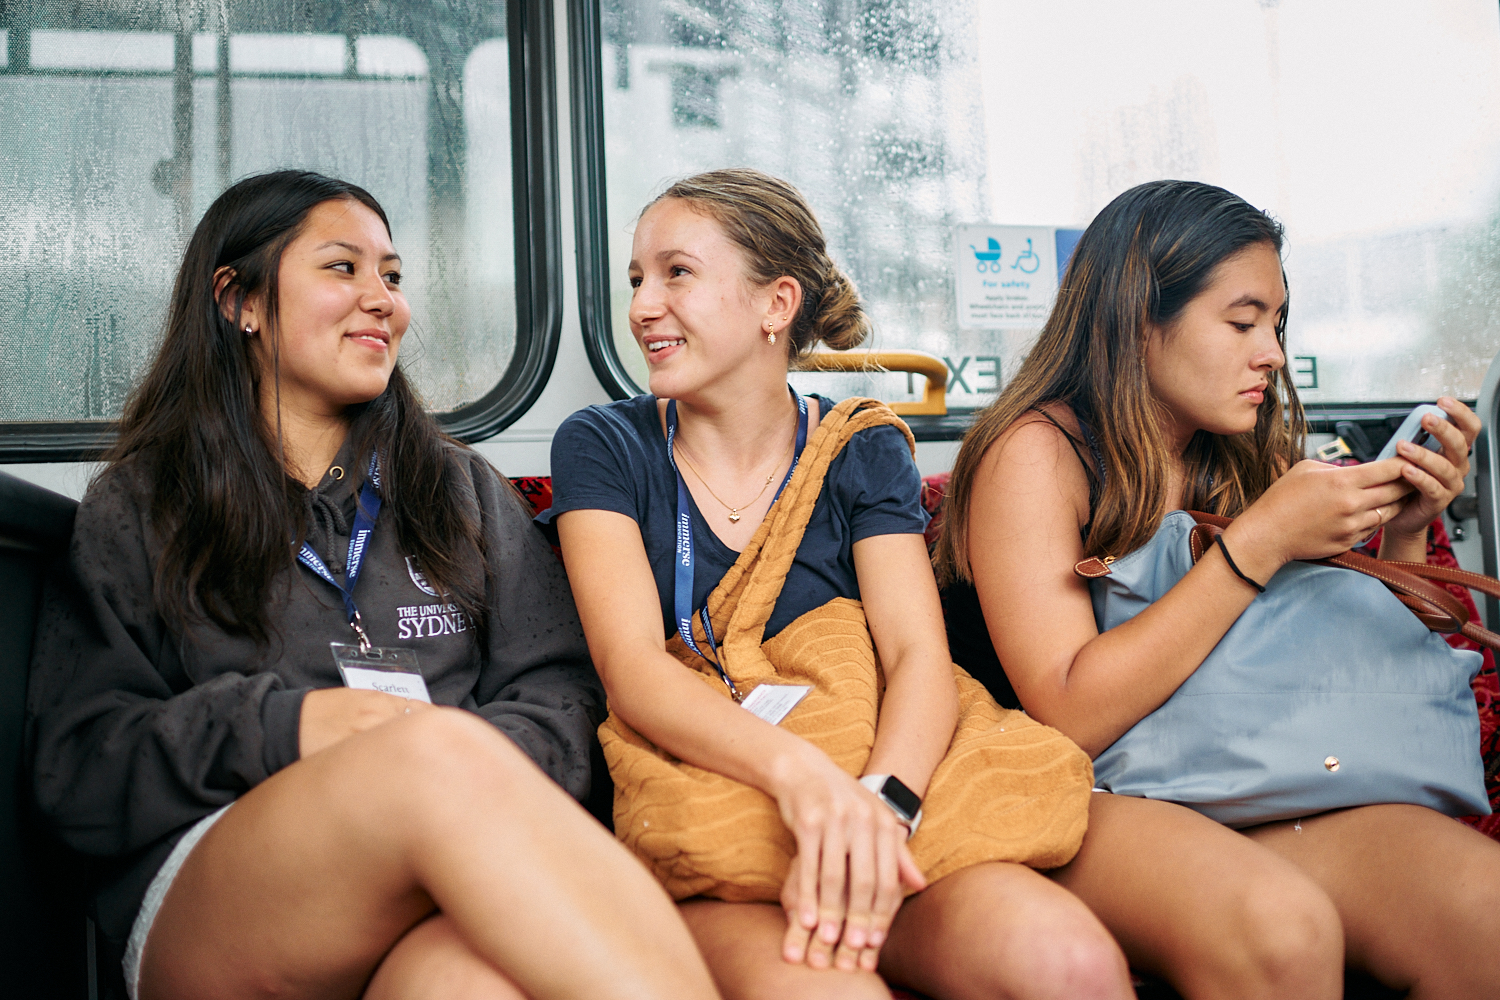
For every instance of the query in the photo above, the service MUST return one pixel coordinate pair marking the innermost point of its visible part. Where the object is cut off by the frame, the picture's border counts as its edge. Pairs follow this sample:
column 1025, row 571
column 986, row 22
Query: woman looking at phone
column 1157, row 385
column 732, row 281
column 269, row 830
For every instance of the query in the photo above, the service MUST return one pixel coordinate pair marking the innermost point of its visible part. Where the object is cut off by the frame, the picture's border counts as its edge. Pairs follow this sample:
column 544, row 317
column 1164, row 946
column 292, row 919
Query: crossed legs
column 332, row 869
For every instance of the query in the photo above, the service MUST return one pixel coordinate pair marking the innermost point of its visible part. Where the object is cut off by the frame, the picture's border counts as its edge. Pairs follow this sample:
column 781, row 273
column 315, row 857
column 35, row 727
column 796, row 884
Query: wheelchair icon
column 1028, row 262
column 987, row 260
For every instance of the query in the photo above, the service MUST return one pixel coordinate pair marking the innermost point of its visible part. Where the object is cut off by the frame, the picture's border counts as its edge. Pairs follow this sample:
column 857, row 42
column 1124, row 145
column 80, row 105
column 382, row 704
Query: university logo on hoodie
column 425, row 621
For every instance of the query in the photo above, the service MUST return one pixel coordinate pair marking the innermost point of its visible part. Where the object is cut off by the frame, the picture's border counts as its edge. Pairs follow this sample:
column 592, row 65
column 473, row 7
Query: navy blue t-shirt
column 614, row 457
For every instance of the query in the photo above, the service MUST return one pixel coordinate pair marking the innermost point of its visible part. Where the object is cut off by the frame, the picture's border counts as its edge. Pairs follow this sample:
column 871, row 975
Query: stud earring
column 249, row 331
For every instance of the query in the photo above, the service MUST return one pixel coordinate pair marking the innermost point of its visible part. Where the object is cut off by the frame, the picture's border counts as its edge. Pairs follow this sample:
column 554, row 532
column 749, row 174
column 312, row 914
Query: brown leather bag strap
column 1434, row 606
column 1451, row 574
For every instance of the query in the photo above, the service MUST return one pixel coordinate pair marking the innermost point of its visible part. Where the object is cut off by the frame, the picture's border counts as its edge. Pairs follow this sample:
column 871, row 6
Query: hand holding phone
column 1411, row 430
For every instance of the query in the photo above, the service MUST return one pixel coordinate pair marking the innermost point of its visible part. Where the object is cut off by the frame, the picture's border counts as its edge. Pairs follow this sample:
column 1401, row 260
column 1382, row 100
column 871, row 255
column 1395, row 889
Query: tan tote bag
column 1009, row 788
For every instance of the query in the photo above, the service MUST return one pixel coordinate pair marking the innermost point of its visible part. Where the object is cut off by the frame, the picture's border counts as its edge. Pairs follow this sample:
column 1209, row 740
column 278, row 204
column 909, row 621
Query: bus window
column 1370, row 130
column 121, row 128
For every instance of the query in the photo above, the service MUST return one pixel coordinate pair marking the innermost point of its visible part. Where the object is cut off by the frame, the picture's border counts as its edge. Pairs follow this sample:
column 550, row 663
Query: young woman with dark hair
column 268, row 830
column 1157, row 384
column 808, row 865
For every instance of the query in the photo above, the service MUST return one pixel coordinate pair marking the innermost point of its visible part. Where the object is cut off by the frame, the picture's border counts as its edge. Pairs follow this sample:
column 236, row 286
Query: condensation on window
column 117, row 131
column 1370, row 130
column 868, row 113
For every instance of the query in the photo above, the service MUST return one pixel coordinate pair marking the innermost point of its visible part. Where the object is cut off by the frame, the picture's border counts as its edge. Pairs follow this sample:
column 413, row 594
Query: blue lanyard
column 682, row 597
column 365, row 516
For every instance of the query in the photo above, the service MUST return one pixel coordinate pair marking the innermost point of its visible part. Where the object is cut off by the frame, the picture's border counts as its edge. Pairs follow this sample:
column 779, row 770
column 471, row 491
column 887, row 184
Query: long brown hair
column 1139, row 263
column 230, row 513
column 775, row 229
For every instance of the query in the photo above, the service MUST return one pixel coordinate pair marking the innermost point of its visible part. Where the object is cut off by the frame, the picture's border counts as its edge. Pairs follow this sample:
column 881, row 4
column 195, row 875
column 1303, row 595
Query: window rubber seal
column 530, row 31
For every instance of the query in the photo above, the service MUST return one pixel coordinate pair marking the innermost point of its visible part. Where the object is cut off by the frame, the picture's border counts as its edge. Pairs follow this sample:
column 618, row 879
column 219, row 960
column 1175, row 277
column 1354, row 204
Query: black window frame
column 530, row 35
column 591, row 221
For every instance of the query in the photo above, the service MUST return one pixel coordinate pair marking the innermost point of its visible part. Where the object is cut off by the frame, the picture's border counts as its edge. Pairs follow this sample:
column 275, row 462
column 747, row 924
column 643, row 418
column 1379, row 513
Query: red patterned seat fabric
column 536, row 489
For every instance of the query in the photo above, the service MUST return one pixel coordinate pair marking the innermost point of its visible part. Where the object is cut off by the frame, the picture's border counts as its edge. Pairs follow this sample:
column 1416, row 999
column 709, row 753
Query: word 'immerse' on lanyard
column 682, row 596
column 365, row 515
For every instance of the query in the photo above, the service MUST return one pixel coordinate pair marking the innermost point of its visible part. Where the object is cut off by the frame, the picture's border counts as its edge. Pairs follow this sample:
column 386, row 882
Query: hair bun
column 840, row 320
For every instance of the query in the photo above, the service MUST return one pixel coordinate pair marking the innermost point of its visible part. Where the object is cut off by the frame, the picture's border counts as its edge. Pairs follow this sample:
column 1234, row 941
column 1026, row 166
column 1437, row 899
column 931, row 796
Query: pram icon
column 987, row 260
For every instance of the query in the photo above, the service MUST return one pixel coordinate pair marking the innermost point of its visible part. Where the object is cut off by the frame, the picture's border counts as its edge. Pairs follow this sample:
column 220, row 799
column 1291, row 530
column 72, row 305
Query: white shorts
column 155, row 893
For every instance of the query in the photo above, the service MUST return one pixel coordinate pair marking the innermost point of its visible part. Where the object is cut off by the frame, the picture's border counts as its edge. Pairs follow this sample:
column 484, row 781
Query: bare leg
column 1417, row 893
column 304, row 886
column 433, row 963
column 1214, row 913
column 990, row 931
column 1002, row 930
column 742, row 944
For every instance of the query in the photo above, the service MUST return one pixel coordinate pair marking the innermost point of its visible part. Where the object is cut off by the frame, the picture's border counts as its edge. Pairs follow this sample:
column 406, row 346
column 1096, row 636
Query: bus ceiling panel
column 121, row 122
column 952, row 149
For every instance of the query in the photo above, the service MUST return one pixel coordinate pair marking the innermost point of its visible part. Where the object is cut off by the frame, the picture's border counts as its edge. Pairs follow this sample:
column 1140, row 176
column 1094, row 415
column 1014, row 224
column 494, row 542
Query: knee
column 433, row 961
column 1287, row 940
column 448, row 752
column 1068, row 956
column 452, row 740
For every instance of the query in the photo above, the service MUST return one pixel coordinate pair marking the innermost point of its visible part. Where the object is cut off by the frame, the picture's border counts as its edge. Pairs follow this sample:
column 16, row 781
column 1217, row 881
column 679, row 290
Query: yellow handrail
column 934, row 397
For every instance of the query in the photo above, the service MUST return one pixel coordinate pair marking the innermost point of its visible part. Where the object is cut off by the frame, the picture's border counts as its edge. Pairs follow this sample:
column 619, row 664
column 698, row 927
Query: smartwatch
column 902, row 800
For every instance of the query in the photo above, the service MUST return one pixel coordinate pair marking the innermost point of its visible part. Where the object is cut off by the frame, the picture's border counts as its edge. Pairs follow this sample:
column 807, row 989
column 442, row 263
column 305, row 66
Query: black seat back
column 44, row 940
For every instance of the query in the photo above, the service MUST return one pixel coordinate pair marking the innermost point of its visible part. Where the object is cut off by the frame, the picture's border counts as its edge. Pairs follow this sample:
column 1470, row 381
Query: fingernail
column 876, row 939
column 856, row 938
column 829, row 932
column 809, row 919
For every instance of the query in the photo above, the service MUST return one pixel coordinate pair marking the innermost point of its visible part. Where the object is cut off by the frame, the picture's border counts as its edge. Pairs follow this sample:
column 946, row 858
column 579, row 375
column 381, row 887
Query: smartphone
column 1411, row 430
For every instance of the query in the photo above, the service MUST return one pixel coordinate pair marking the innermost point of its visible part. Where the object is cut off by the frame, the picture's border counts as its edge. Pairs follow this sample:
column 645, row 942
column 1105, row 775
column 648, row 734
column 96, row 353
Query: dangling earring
column 770, row 333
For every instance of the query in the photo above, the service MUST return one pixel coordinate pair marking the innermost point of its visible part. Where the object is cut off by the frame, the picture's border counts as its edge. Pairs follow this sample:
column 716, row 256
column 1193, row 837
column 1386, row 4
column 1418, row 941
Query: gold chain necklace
column 734, row 512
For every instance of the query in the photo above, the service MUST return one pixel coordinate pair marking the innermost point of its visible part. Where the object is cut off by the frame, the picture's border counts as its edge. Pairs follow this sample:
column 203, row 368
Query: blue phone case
column 1411, row 430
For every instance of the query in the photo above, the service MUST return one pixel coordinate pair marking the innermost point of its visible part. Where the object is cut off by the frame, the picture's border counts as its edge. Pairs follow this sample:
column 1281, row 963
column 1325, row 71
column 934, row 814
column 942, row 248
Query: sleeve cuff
column 610, row 501
column 281, row 719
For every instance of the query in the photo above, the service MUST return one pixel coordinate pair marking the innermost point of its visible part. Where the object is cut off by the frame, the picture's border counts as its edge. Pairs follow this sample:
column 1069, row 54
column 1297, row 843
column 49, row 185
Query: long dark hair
column 222, row 499
column 1139, row 263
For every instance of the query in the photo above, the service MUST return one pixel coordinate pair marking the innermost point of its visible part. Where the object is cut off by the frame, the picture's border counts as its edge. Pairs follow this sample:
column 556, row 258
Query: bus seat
column 934, row 396
column 536, row 490
column 46, row 942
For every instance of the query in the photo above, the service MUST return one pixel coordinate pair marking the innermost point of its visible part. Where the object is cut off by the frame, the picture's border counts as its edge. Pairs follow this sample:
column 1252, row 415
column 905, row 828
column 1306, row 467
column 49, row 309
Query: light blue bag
column 1326, row 693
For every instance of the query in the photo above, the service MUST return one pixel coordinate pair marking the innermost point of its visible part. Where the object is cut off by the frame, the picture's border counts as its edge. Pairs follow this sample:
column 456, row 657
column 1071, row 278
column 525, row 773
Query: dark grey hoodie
column 140, row 732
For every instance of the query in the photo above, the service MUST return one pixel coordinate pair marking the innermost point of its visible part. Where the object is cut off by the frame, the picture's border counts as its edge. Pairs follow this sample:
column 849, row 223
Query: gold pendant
column 734, row 514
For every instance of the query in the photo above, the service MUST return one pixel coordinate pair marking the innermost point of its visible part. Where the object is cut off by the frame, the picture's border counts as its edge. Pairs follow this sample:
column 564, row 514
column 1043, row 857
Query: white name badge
column 772, row 702
column 381, row 668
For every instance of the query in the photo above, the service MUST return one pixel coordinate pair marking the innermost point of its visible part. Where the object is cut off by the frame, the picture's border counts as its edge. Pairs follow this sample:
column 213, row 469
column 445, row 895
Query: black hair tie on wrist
column 1219, row 540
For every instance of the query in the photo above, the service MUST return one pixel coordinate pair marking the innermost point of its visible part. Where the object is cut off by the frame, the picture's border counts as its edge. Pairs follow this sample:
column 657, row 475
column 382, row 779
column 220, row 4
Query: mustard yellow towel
column 1009, row 789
